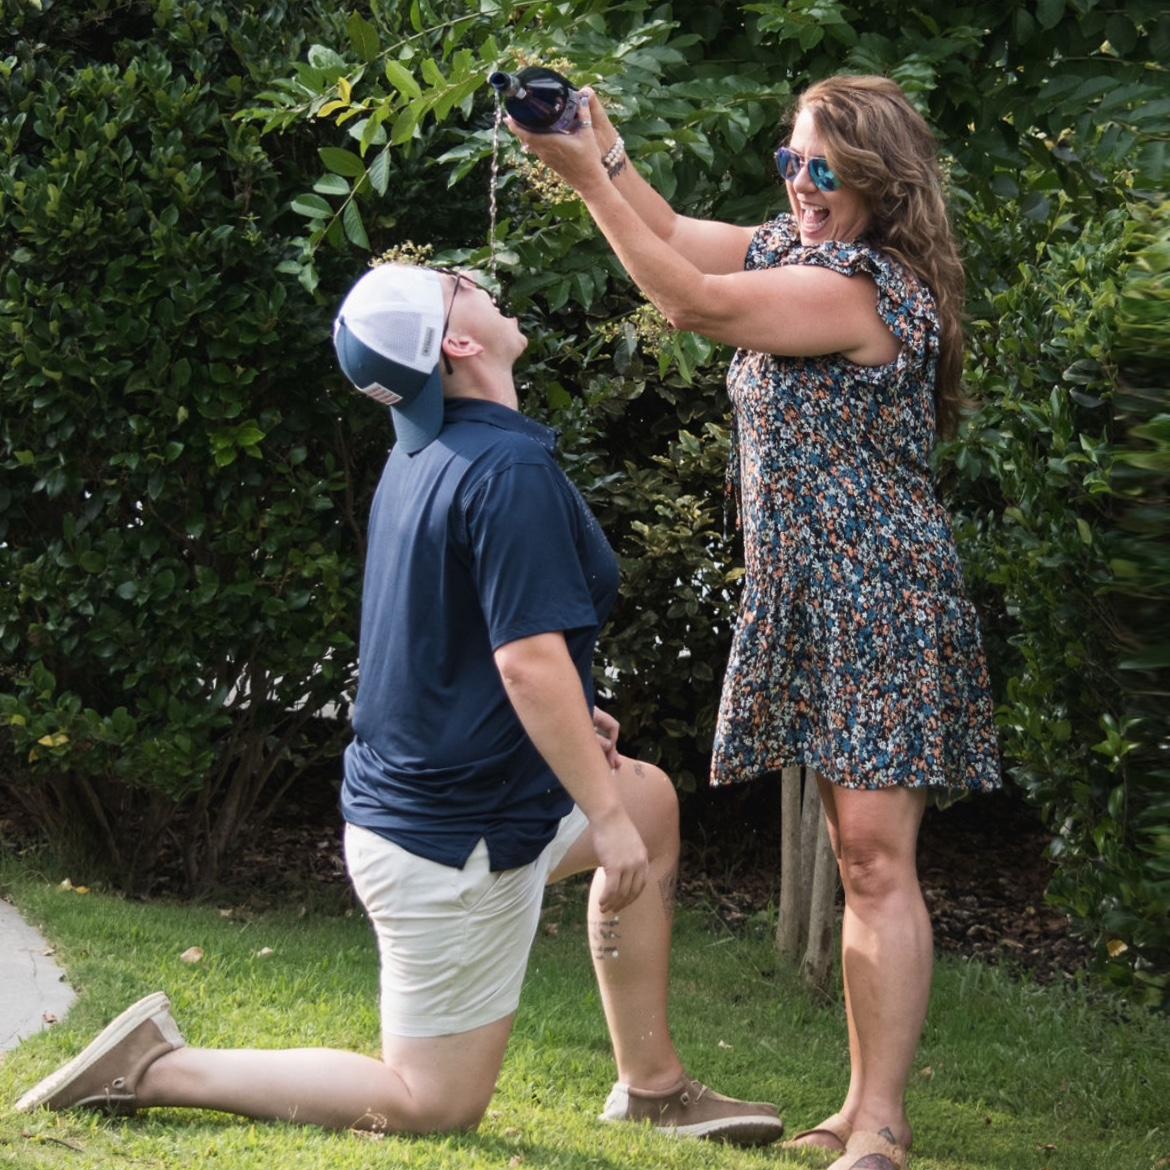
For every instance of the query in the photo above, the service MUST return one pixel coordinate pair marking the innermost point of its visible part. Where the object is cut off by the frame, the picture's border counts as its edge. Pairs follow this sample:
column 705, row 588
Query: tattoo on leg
column 667, row 887
column 604, row 937
column 639, row 770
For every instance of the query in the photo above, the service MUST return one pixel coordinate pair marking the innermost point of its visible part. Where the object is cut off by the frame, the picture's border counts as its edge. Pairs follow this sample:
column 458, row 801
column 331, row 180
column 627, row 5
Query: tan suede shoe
column 691, row 1109
column 106, row 1074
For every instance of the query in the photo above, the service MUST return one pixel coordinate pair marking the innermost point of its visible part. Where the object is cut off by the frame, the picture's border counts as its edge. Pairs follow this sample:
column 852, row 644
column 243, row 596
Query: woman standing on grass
column 855, row 652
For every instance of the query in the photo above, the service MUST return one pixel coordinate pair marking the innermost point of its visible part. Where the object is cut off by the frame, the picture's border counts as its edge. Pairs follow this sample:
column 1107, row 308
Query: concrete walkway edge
column 31, row 983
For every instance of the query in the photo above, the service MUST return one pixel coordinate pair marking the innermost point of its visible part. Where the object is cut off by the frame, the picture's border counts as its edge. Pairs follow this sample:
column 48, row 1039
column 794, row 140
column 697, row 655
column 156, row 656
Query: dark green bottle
column 538, row 99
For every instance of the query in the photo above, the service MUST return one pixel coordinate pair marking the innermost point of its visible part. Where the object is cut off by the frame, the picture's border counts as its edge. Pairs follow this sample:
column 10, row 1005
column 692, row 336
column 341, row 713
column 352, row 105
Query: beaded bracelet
column 613, row 160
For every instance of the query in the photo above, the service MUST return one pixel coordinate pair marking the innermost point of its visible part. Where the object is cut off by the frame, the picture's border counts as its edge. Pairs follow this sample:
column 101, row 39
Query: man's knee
column 663, row 788
column 454, row 1117
column 652, row 802
column 453, row 1112
column 447, row 1081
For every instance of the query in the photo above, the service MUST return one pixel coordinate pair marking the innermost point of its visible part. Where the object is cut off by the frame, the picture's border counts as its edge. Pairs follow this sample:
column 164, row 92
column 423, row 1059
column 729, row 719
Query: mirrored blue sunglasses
column 789, row 163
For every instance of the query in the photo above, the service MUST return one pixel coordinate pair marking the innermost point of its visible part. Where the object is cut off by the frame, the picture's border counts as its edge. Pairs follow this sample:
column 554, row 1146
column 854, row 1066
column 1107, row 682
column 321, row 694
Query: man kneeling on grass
column 479, row 771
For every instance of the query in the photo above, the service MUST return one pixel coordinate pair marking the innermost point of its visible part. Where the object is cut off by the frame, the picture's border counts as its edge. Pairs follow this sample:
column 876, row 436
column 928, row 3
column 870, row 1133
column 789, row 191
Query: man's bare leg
column 631, row 950
column 421, row 1085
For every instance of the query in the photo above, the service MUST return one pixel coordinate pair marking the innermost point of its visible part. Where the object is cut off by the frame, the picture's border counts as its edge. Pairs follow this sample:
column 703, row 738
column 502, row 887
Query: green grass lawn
column 1010, row 1076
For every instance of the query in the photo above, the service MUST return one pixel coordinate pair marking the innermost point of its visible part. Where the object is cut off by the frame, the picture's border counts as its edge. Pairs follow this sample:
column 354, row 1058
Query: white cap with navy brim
column 388, row 335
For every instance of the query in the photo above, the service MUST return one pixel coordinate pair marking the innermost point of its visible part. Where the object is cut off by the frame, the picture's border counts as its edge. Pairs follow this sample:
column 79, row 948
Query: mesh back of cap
column 394, row 333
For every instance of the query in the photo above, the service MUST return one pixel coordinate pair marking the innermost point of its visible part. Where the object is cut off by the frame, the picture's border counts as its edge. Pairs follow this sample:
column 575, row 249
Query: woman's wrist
column 614, row 159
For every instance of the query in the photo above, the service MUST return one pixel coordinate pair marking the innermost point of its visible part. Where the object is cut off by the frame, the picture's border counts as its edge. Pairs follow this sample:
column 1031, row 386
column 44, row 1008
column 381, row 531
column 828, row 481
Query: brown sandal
column 835, row 1127
column 871, row 1151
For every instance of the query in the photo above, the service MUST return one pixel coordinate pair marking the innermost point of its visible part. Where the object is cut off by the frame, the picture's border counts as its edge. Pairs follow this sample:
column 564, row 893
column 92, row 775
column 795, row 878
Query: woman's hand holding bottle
column 576, row 156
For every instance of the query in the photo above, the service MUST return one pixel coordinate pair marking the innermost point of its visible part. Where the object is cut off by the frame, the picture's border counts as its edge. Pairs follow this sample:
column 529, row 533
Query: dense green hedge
column 1055, row 499
column 179, row 556
column 173, row 432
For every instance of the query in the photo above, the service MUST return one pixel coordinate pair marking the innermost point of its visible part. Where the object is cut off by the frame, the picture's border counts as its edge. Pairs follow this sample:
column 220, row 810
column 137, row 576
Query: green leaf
column 403, row 80
column 1025, row 26
column 312, row 206
column 558, row 397
column 404, row 125
column 1156, row 658
column 1151, row 460
column 326, row 59
column 342, row 162
column 810, row 35
column 379, row 171
column 1036, row 206
column 1152, row 112
column 331, row 185
column 1049, row 13
column 1121, row 34
column 363, row 36
column 370, row 131
column 308, row 277
column 355, row 230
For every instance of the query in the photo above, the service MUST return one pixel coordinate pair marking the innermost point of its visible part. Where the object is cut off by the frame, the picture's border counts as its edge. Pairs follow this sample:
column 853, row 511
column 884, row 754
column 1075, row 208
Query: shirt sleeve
column 523, row 535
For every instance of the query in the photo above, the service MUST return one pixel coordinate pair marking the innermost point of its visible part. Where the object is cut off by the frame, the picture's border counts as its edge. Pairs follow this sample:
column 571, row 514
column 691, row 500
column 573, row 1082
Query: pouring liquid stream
column 492, row 183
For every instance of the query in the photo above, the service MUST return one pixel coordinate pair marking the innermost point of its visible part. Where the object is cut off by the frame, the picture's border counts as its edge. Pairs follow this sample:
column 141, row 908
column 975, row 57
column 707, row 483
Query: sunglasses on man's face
column 458, row 277
column 790, row 163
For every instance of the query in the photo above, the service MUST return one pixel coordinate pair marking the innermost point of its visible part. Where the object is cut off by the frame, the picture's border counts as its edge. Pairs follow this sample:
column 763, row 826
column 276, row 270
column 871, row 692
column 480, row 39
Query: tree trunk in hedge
column 816, row 968
column 812, row 813
column 788, row 929
column 808, row 879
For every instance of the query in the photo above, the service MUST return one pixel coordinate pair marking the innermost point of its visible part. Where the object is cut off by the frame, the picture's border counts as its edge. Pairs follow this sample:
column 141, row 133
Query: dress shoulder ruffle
column 904, row 302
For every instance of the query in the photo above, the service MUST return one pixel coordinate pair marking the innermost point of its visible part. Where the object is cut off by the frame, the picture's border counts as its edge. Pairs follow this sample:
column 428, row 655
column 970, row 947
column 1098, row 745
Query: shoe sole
column 113, row 1033
column 746, row 1131
column 739, row 1131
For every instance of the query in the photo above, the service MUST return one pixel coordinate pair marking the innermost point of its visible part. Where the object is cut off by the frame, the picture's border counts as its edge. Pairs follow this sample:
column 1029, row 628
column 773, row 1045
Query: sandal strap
column 835, row 1127
column 870, row 1151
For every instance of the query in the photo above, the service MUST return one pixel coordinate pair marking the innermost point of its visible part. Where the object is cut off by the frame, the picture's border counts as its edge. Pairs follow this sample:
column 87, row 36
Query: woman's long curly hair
column 881, row 147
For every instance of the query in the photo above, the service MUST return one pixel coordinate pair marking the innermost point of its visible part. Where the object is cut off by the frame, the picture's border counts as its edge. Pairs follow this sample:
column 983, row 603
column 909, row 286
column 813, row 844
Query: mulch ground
column 981, row 862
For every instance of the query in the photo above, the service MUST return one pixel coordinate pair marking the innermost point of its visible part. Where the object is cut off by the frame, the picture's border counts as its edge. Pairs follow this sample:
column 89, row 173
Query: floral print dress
column 855, row 651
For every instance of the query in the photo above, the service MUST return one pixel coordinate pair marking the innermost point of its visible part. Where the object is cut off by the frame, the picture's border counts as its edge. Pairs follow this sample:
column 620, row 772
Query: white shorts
column 454, row 943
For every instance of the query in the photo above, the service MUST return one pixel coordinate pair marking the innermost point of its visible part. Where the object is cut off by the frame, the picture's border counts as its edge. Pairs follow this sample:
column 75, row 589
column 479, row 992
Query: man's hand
column 607, row 728
column 545, row 690
column 623, row 859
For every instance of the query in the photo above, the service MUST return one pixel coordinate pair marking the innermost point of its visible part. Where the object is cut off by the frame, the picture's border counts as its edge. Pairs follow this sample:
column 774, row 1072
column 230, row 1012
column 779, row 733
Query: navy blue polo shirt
column 476, row 541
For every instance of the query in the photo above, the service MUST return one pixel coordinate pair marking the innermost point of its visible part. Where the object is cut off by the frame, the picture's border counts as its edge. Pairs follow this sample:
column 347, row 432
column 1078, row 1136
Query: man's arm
column 544, row 689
